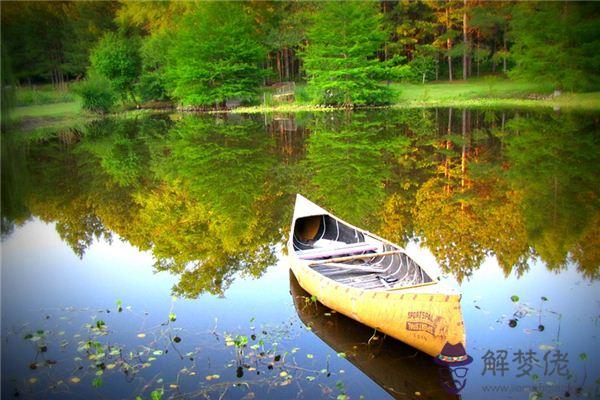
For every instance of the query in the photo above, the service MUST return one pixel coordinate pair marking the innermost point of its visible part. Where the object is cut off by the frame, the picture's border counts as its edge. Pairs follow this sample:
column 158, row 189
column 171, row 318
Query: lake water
column 145, row 256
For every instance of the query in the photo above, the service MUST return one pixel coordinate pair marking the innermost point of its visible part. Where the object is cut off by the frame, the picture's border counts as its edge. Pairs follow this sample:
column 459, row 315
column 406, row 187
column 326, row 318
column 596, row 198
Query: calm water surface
column 144, row 256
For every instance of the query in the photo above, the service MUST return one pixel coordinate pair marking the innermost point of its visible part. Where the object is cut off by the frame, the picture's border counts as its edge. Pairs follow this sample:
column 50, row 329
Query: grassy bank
column 583, row 101
column 475, row 93
column 27, row 118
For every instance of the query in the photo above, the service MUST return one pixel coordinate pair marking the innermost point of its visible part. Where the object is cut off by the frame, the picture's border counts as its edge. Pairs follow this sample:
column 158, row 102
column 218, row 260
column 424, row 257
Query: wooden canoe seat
column 347, row 249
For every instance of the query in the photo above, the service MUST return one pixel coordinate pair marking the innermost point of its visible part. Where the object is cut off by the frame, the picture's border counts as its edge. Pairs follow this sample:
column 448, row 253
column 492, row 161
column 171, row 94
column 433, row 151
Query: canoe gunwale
column 314, row 208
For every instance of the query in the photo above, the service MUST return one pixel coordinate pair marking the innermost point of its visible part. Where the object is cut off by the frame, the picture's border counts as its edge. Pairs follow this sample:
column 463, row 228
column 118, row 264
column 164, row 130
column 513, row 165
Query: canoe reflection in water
column 396, row 367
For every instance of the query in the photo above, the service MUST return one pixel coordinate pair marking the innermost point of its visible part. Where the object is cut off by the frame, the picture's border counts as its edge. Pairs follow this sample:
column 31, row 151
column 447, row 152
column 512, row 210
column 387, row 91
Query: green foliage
column 7, row 101
column 215, row 56
column 154, row 53
column 51, row 41
column 116, row 57
column 340, row 58
column 557, row 42
column 424, row 64
column 96, row 94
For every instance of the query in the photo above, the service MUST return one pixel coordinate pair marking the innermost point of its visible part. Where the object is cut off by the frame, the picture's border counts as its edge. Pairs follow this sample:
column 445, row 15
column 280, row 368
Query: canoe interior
column 372, row 273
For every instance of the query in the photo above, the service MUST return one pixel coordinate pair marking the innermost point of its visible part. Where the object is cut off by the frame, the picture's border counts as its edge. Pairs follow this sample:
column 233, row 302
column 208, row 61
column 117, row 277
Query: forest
column 211, row 54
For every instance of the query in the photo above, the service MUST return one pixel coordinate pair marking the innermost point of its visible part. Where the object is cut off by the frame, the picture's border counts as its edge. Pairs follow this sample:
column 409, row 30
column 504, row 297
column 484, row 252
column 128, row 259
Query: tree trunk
column 478, row 54
column 279, row 65
column 448, row 44
column 463, row 159
column 465, row 42
column 448, row 147
column 505, row 54
column 286, row 58
column 449, row 61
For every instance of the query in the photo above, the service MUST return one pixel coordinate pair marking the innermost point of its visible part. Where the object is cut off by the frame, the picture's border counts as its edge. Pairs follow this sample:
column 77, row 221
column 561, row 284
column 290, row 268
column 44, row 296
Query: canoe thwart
column 358, row 257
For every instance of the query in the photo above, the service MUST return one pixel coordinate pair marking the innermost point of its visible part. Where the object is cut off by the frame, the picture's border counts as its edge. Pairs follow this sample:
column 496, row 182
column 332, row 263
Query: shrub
column 96, row 94
column 116, row 57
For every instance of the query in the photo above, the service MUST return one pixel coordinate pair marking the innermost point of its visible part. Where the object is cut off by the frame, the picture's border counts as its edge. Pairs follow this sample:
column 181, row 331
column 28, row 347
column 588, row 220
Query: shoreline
column 30, row 118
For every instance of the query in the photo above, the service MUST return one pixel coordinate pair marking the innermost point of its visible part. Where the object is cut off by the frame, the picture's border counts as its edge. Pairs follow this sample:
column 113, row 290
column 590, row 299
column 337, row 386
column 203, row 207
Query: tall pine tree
column 216, row 56
column 341, row 56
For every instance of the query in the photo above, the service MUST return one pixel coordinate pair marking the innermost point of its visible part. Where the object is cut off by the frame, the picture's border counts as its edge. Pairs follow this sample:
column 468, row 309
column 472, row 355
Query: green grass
column 33, row 117
column 476, row 88
column 55, row 110
column 42, row 94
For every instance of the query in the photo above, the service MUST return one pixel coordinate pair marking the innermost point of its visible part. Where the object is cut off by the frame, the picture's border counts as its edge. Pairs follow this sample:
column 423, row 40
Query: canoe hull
column 424, row 320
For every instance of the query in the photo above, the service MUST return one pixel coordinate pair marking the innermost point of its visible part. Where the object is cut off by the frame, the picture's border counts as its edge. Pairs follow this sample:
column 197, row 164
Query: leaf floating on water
column 141, row 335
column 173, row 386
column 211, row 377
column 172, row 317
column 546, row 347
column 309, row 356
column 75, row 380
column 97, row 382
column 310, row 378
column 156, row 394
column 32, row 380
column 514, row 298
column 157, row 352
column 341, row 355
column 583, row 356
column 111, row 366
column 283, row 374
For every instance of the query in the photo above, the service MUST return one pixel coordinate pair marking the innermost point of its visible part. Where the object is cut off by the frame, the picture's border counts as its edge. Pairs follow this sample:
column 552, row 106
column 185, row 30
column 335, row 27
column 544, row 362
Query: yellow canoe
column 373, row 281
column 391, row 364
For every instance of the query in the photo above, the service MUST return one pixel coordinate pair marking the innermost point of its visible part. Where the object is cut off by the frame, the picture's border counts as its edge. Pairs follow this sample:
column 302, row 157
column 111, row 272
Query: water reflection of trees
column 211, row 197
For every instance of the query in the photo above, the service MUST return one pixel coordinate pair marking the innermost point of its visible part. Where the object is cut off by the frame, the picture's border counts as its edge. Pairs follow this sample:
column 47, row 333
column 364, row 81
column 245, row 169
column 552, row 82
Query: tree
column 340, row 58
column 117, row 58
column 558, row 42
column 154, row 53
column 215, row 56
column 51, row 41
